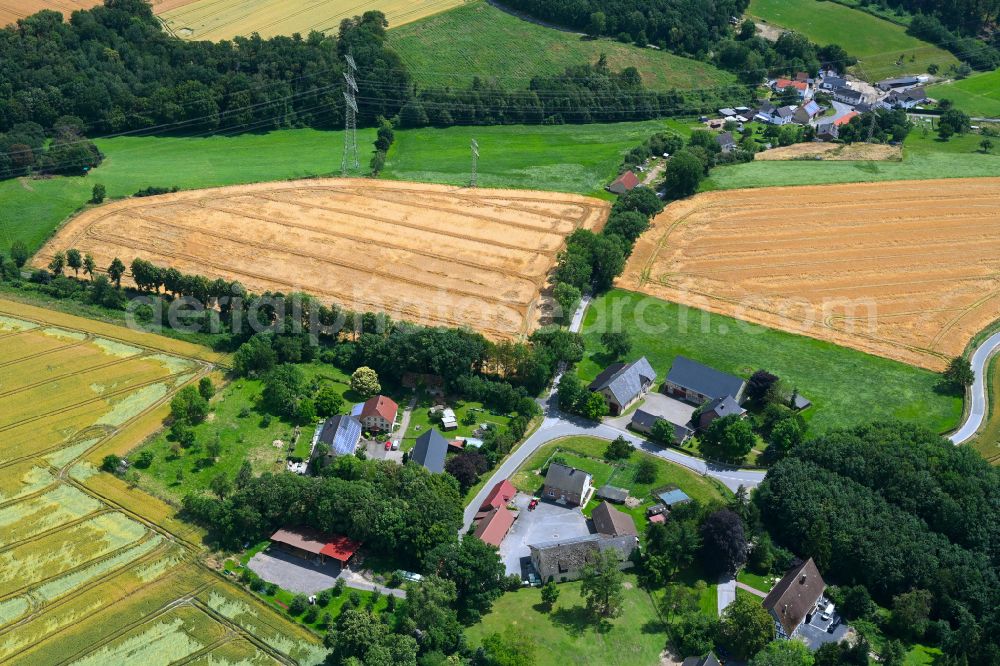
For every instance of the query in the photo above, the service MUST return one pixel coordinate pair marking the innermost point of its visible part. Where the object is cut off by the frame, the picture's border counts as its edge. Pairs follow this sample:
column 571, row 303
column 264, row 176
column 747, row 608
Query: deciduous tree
column 603, row 585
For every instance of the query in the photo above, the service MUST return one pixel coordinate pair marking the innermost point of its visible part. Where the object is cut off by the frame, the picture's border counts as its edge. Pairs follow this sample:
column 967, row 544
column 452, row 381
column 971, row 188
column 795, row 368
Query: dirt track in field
column 906, row 270
column 430, row 254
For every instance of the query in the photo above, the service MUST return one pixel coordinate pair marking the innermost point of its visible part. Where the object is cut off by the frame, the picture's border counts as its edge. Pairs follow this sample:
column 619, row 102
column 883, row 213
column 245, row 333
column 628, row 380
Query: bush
column 310, row 615
column 144, row 459
column 338, row 587
column 323, row 598
column 98, row 193
column 111, row 463
column 298, row 605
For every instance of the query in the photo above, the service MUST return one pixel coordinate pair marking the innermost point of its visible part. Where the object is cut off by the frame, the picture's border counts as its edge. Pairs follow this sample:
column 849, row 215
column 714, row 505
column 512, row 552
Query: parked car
column 395, row 445
column 388, row 445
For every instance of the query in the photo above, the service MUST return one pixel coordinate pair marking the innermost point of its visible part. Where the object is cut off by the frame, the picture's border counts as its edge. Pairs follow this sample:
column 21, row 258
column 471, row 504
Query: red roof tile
column 843, row 120
column 380, row 405
column 499, row 496
column 495, row 526
column 628, row 180
column 312, row 541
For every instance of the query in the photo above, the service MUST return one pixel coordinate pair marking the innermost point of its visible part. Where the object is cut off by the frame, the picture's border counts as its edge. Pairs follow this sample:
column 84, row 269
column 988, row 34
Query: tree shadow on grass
column 577, row 620
column 945, row 387
column 654, row 627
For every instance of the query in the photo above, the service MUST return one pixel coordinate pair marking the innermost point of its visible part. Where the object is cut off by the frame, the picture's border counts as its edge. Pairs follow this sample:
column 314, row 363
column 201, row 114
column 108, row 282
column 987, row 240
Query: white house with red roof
column 376, row 413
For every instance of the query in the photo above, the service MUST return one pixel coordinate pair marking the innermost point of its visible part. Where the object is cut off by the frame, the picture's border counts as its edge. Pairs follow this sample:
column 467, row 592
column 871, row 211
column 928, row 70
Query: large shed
column 309, row 543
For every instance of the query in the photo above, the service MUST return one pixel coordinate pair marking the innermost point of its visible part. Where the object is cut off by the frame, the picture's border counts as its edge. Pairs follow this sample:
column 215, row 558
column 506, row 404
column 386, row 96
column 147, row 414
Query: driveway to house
column 547, row 522
column 301, row 576
column 661, row 405
column 977, row 409
column 726, row 592
column 558, row 424
column 841, row 111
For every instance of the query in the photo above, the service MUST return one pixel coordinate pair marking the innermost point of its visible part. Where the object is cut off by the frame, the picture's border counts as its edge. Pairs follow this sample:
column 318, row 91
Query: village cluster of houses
column 897, row 93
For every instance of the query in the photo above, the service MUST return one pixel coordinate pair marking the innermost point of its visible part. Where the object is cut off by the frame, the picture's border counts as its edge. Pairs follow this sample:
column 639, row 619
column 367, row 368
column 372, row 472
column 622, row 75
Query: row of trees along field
column 692, row 28
column 112, row 69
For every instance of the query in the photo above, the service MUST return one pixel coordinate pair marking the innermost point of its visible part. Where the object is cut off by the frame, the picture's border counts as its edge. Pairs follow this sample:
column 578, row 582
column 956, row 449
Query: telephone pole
column 475, row 163
column 350, row 118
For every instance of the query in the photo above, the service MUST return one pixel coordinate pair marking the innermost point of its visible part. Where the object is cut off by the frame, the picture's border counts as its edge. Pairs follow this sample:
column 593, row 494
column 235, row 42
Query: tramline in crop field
column 899, row 269
column 429, row 254
column 91, row 570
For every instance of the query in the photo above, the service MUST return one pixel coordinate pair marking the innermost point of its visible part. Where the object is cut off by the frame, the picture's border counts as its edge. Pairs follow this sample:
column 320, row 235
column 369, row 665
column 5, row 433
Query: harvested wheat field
column 429, row 254
column 904, row 270
column 91, row 568
column 13, row 10
column 224, row 19
column 833, row 151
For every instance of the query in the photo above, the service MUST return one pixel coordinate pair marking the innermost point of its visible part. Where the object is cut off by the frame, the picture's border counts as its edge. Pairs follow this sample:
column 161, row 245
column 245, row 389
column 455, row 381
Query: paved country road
column 558, row 424
column 977, row 408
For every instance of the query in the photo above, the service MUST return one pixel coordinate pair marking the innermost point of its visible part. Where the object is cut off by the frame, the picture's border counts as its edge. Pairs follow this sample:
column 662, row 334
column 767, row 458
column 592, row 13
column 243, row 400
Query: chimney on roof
column 802, row 579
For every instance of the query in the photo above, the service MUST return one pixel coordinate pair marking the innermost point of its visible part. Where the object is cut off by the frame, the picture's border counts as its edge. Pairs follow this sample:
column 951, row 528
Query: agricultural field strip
column 543, row 225
column 46, row 352
column 102, row 366
column 261, row 645
column 895, row 215
column 228, row 632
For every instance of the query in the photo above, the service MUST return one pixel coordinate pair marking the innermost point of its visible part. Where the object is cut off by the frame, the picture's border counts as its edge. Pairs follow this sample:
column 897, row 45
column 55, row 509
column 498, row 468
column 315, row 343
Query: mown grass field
column 924, row 157
column 978, row 95
column 846, row 387
column 564, row 158
column 878, row 44
column 477, row 39
column 83, row 573
column 568, row 635
column 32, row 209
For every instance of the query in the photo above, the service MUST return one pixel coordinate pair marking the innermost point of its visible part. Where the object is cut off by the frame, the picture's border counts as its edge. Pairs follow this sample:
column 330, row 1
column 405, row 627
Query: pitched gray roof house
column 624, row 382
column 707, row 660
column 341, row 434
column 644, row 421
column 827, row 131
column 725, row 406
column 430, row 451
column 565, row 560
column 794, row 597
column 570, row 480
column 609, row 520
column 785, row 112
column 703, row 380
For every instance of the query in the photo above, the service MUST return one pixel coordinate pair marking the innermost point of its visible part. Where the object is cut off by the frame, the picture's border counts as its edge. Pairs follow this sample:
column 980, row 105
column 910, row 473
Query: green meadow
column 846, row 387
column 877, row 43
column 477, row 39
column 978, row 95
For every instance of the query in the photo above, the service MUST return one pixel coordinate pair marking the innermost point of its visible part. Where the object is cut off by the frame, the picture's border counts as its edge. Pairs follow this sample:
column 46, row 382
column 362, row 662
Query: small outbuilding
column 494, row 525
column 612, row 494
column 612, row 522
column 311, row 544
column 626, row 182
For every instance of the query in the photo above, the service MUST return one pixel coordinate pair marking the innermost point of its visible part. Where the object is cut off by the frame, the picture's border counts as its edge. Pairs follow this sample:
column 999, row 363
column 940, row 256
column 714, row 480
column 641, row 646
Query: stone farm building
column 430, row 451
column 794, row 597
column 697, row 383
column 566, row 484
column 376, row 413
column 313, row 545
column 622, row 384
column 564, row 560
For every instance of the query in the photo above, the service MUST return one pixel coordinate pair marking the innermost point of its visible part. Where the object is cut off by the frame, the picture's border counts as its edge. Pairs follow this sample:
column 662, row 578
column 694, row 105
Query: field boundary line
column 30, row 357
column 58, row 528
column 103, row 366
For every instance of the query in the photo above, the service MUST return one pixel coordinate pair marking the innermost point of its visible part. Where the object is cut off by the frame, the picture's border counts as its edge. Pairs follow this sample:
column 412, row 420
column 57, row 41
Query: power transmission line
column 350, row 118
column 475, row 163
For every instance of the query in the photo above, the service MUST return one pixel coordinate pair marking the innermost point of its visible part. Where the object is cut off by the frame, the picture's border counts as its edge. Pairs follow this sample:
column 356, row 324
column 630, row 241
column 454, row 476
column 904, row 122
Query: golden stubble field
column 13, row 10
column 93, row 571
column 430, row 254
column 905, row 270
column 215, row 20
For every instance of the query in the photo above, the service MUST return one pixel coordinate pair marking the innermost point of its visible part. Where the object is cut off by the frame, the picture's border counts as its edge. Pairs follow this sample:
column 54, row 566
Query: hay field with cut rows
column 92, row 570
column 430, row 254
column 905, row 270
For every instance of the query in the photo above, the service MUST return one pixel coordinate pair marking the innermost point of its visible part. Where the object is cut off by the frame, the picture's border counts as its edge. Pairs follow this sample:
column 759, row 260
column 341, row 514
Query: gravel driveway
column 294, row 573
column 547, row 522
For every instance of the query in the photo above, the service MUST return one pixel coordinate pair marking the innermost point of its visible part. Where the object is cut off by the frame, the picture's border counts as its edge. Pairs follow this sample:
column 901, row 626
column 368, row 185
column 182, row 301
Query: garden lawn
column 562, row 158
column 877, row 43
column 587, row 453
column 846, row 387
column 924, row 157
column 568, row 634
column 243, row 437
column 32, row 209
column 978, row 95
column 756, row 581
column 420, row 419
column 478, row 39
